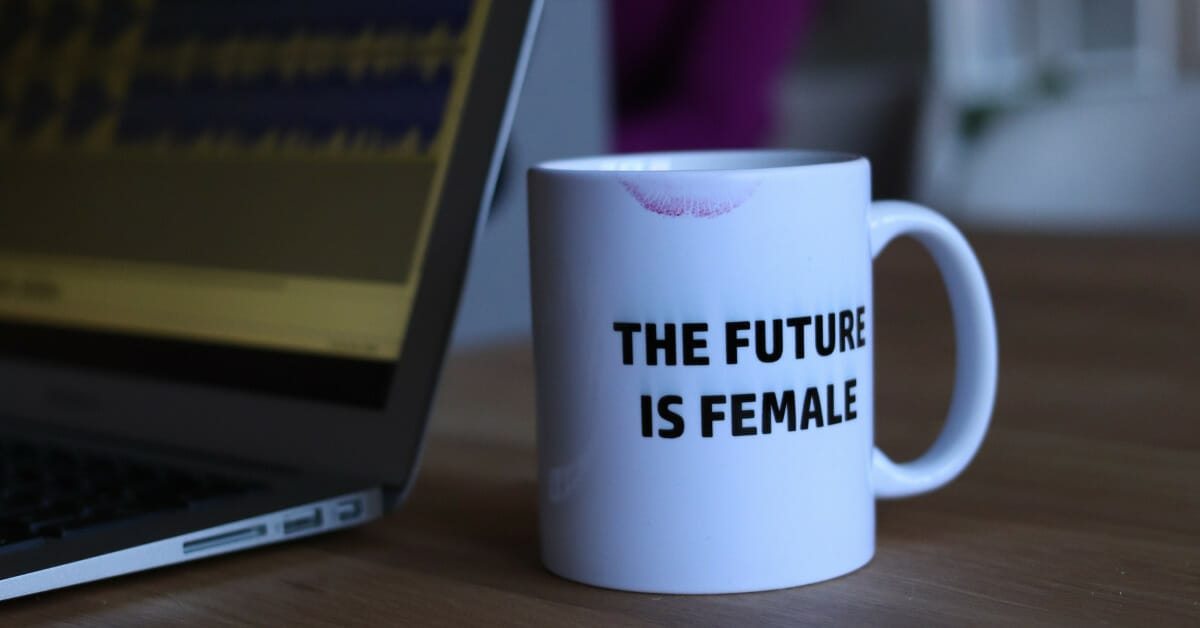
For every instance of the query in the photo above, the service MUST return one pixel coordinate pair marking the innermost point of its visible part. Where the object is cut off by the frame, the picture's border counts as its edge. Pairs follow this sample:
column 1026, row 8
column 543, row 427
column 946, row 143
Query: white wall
column 563, row 111
column 1121, row 165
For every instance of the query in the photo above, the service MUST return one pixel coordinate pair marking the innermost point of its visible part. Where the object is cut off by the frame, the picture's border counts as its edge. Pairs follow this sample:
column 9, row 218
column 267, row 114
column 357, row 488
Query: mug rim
column 723, row 160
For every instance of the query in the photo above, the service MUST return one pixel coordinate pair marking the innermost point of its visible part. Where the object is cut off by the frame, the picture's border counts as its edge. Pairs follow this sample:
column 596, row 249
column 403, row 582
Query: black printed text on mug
column 764, row 340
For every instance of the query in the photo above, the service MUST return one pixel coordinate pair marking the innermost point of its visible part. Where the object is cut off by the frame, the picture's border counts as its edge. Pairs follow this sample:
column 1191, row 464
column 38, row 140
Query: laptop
column 232, row 239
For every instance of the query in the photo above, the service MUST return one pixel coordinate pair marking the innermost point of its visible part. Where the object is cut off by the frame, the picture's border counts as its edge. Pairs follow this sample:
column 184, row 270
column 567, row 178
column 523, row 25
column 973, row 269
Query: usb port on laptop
column 349, row 510
column 299, row 522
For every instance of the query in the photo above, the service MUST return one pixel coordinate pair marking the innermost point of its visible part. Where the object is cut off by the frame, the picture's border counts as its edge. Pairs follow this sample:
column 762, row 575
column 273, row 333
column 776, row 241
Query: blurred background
column 1056, row 116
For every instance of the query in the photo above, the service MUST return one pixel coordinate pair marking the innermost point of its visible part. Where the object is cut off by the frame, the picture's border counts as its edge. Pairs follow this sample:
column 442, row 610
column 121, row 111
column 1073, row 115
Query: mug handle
column 975, row 350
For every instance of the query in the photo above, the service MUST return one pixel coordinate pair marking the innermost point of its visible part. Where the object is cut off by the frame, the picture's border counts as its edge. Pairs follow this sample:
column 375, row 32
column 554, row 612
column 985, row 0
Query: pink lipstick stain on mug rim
column 675, row 198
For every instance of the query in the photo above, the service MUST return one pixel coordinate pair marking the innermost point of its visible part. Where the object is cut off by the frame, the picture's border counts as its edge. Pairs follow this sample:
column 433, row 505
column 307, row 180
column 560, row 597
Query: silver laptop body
column 231, row 246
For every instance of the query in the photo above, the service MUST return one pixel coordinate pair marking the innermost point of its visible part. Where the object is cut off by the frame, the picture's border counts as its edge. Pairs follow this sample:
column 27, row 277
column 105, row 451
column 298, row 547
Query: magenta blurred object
column 695, row 74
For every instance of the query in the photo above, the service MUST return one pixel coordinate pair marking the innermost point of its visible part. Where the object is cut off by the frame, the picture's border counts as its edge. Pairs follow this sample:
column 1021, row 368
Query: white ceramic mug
column 703, row 345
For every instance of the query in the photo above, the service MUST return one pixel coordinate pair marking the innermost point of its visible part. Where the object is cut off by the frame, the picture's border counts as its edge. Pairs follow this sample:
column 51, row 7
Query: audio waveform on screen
column 220, row 77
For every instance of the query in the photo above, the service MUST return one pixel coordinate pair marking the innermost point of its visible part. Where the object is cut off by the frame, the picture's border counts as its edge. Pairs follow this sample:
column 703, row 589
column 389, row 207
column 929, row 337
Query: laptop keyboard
column 48, row 491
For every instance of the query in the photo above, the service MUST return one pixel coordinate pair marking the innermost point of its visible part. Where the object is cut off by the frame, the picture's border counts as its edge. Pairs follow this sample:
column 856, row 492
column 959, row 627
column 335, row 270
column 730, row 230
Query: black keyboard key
column 98, row 466
column 22, row 502
column 22, row 543
column 159, row 500
column 54, row 515
column 12, row 533
column 96, row 519
column 141, row 473
column 29, row 473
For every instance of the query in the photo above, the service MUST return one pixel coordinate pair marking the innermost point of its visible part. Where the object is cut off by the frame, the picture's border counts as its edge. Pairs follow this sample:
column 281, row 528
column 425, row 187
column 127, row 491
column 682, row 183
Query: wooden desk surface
column 1083, row 506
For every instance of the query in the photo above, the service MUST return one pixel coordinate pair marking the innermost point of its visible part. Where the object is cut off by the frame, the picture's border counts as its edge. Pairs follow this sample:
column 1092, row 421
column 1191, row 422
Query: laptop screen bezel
column 376, row 444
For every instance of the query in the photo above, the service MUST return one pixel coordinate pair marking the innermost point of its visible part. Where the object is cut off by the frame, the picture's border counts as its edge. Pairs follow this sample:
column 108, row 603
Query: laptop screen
column 225, row 192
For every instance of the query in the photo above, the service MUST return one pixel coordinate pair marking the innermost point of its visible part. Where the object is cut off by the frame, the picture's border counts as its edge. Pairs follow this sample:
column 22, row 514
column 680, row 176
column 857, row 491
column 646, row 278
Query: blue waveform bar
column 389, row 106
column 63, row 18
column 36, row 106
column 89, row 102
column 15, row 19
column 172, row 21
column 113, row 18
column 177, row 20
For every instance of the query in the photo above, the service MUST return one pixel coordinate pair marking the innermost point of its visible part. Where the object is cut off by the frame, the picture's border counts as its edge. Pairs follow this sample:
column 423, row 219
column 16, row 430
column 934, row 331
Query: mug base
column 707, row 588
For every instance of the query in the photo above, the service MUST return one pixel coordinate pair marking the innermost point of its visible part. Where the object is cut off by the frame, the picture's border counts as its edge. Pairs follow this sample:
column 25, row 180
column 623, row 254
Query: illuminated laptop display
column 223, row 184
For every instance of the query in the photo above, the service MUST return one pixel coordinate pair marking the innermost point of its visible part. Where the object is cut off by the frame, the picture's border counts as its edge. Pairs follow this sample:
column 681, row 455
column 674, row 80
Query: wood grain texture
column 1083, row 507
